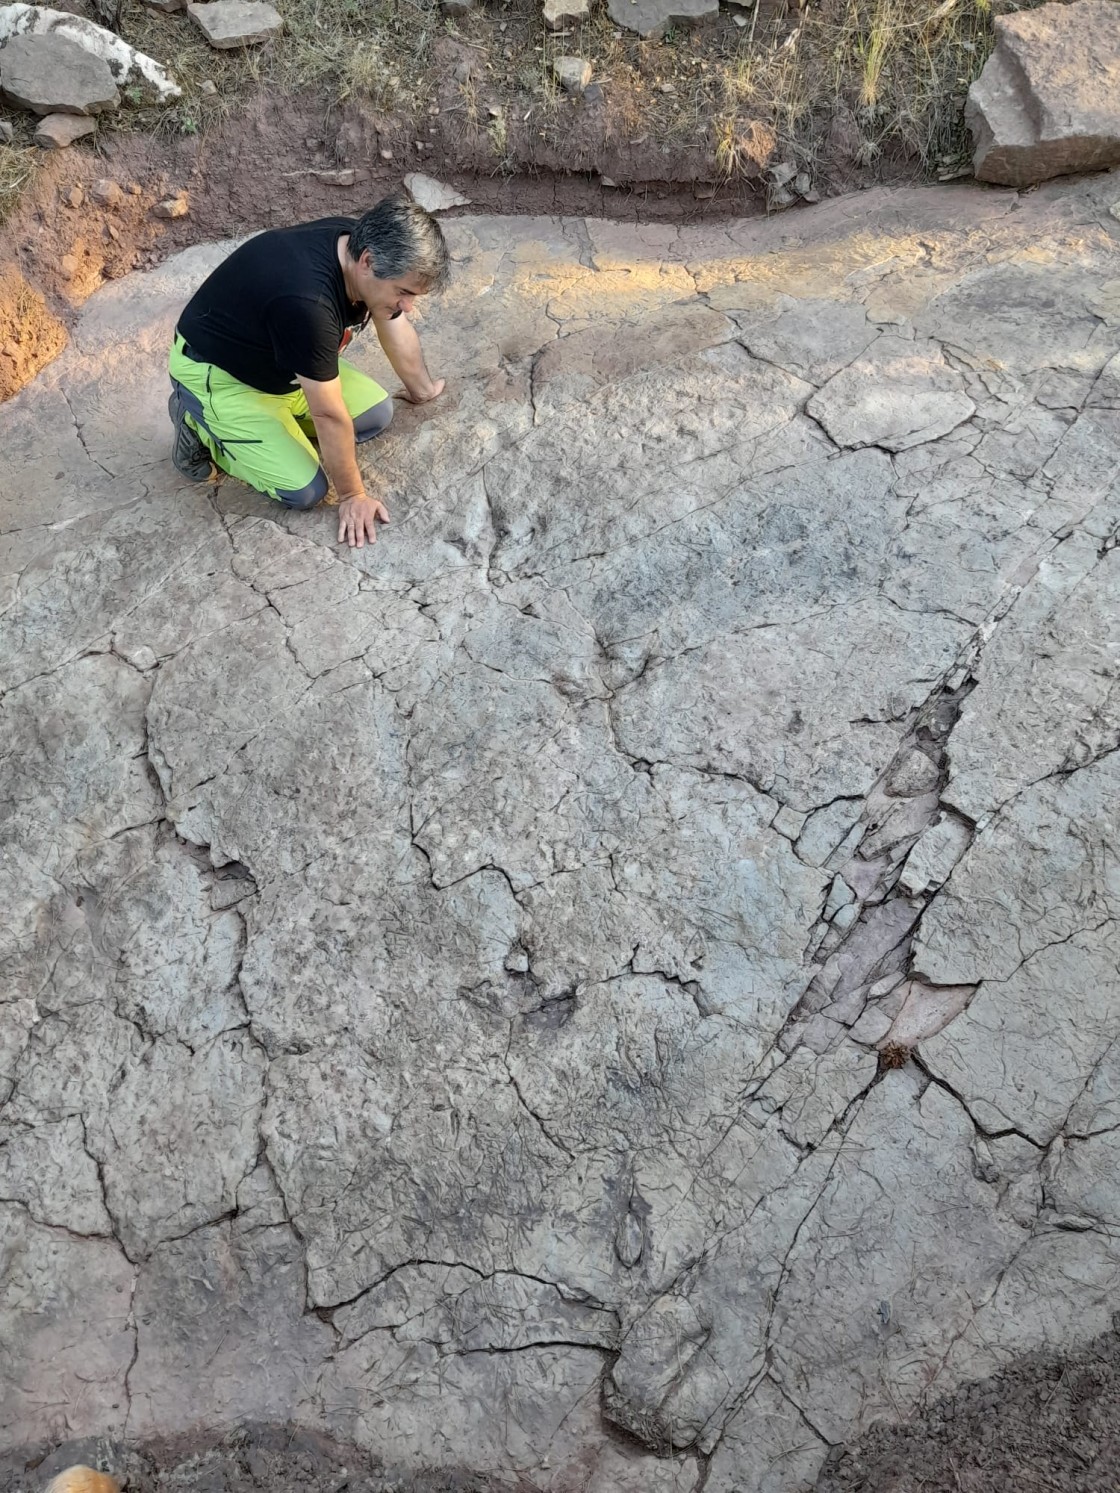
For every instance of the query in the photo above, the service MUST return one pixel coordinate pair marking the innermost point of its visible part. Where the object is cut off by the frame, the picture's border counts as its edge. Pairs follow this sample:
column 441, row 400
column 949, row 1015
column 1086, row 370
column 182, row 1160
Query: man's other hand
column 426, row 393
column 356, row 520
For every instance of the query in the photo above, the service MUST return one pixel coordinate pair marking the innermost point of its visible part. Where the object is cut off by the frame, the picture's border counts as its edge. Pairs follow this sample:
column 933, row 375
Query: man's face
column 386, row 297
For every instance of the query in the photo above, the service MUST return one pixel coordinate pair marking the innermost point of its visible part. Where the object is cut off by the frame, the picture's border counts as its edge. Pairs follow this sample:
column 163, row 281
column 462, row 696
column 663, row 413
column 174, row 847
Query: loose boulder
column 1048, row 101
column 652, row 18
column 51, row 74
column 236, row 23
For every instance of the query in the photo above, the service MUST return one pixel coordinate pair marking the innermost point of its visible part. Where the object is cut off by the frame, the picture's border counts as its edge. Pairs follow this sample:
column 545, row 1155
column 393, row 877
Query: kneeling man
column 255, row 365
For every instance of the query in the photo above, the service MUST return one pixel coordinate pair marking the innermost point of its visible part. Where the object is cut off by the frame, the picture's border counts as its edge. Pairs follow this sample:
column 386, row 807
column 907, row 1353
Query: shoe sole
column 189, row 456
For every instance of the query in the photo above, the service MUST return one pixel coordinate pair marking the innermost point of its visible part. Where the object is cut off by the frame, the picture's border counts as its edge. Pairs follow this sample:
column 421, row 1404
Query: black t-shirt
column 277, row 307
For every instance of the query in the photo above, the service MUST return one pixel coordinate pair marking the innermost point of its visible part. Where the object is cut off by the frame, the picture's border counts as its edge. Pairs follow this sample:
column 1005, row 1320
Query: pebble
column 7, row 133
column 73, row 197
column 69, row 265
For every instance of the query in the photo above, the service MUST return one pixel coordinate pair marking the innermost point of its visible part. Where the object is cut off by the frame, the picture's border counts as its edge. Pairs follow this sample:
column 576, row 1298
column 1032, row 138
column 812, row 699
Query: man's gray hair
column 402, row 239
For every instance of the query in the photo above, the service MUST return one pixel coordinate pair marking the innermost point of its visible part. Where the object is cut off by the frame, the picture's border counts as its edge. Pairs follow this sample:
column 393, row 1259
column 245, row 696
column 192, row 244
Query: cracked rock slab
column 442, row 986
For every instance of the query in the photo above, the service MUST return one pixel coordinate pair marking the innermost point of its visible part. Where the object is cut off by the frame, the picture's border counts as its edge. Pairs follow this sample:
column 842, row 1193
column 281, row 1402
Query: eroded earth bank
column 614, row 987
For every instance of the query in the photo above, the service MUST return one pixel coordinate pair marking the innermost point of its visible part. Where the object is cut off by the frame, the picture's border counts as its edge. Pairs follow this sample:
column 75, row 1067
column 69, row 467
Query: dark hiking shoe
column 189, row 456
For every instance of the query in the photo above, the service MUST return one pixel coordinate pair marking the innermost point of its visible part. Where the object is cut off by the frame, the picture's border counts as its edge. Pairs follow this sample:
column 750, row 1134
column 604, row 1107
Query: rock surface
column 54, row 75
column 236, row 23
column 1048, row 100
column 455, row 972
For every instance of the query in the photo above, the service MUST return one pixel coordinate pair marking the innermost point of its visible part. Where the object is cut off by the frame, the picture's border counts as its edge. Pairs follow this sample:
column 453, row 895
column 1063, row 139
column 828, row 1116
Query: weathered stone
column 896, row 395
column 7, row 132
column 57, row 131
column 572, row 73
column 652, row 18
column 54, row 75
column 433, row 195
column 1046, row 103
column 561, row 13
column 236, row 23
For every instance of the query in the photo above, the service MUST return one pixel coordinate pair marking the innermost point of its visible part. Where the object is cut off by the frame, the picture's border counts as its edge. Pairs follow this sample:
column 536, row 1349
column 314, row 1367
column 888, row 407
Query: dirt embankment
column 675, row 129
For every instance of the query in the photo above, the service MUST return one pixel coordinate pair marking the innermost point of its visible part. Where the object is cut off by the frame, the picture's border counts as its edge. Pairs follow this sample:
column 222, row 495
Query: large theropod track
column 614, row 986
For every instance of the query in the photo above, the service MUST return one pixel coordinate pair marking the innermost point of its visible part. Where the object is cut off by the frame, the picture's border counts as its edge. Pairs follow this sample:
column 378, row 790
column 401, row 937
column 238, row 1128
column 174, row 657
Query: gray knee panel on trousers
column 305, row 497
column 373, row 422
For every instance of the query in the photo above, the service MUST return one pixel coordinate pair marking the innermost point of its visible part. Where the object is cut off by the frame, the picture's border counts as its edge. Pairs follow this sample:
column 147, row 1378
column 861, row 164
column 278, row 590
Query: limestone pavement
column 616, row 984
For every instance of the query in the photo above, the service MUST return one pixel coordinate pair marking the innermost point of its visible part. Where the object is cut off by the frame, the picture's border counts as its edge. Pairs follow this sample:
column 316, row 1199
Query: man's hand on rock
column 425, row 393
column 356, row 520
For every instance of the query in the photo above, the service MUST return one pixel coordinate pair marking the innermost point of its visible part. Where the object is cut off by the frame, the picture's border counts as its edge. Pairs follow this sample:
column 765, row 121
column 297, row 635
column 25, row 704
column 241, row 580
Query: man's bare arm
column 357, row 511
column 401, row 345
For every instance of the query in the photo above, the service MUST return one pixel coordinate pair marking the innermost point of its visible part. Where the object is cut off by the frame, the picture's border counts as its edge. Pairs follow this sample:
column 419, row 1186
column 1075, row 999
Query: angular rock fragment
column 433, row 196
column 1048, row 101
column 58, row 131
column 235, row 23
column 51, row 74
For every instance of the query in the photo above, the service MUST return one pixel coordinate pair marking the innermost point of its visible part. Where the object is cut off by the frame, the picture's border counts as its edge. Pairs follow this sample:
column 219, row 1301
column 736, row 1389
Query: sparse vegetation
column 16, row 165
column 895, row 71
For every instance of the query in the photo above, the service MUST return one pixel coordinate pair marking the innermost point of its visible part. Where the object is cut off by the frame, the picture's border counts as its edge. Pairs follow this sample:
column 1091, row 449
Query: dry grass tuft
column 902, row 67
column 17, row 164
